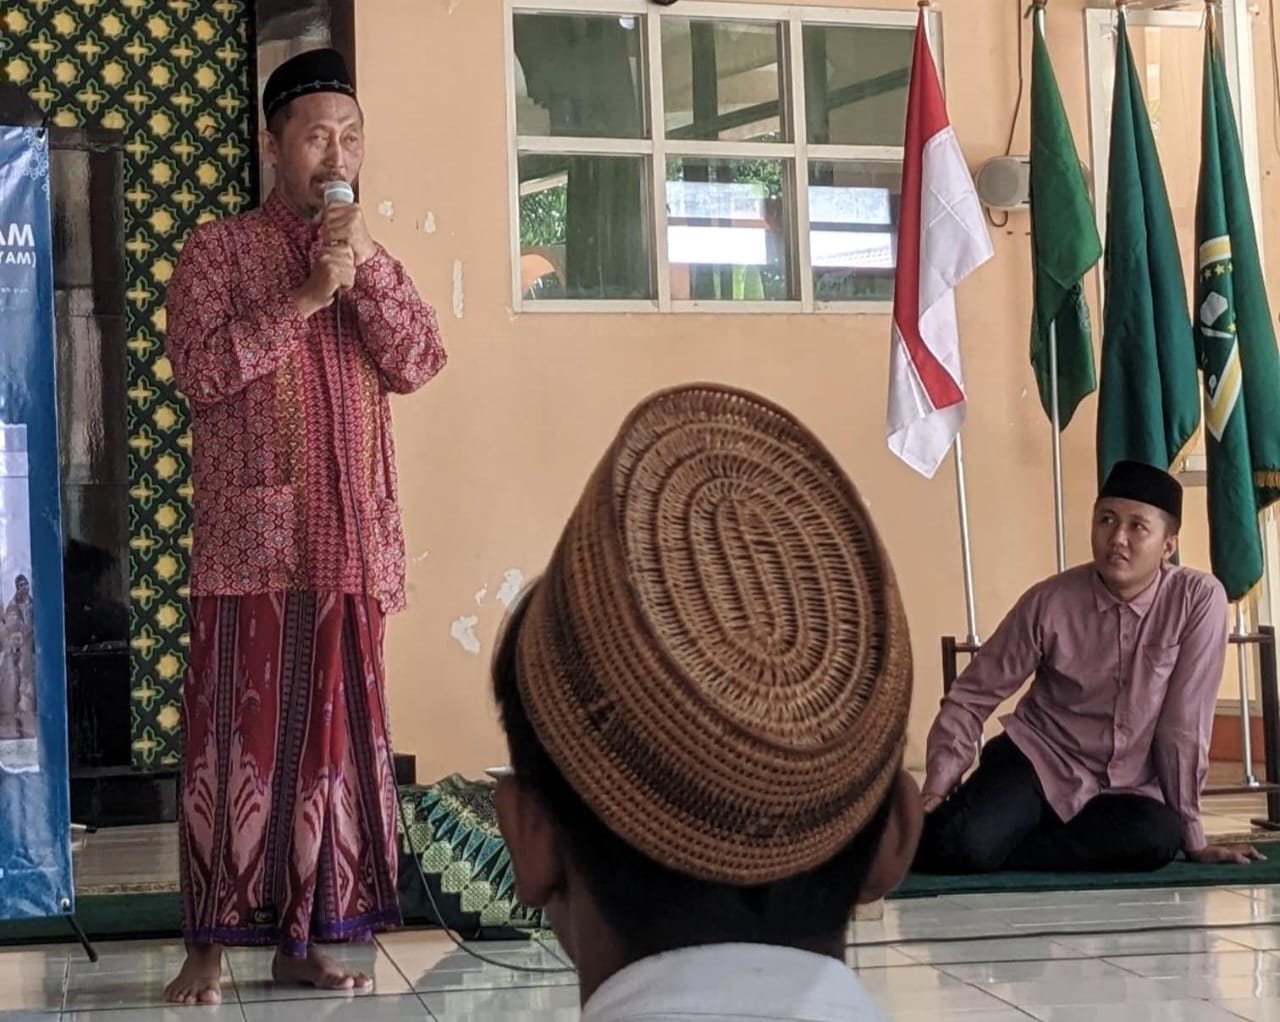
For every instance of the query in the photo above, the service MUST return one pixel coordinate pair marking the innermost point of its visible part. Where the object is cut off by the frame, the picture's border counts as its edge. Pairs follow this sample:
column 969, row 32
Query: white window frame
column 798, row 151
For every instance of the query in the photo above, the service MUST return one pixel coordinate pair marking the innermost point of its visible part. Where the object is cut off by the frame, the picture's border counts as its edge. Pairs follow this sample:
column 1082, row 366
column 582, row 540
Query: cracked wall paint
column 463, row 632
column 512, row 583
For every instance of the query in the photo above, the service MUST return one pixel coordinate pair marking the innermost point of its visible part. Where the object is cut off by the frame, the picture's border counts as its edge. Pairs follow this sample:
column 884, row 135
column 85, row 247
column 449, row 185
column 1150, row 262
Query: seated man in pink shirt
column 1101, row 765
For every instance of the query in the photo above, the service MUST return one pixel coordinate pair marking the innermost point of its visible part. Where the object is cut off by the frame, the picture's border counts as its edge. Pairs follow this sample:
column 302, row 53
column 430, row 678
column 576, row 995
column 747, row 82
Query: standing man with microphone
column 288, row 326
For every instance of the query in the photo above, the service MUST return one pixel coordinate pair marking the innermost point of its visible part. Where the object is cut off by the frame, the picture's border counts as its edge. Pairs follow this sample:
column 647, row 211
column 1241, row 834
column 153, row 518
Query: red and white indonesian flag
column 941, row 240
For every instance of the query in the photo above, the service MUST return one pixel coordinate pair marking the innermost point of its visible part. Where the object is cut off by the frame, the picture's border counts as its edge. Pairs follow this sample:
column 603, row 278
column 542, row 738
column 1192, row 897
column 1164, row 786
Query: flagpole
column 1212, row 9
column 1265, row 611
column 962, row 494
column 1246, row 714
column 1058, row 522
column 966, row 549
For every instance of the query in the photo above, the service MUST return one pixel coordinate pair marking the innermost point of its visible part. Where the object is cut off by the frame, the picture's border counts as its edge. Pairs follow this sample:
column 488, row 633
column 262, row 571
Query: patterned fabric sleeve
column 218, row 341
column 399, row 330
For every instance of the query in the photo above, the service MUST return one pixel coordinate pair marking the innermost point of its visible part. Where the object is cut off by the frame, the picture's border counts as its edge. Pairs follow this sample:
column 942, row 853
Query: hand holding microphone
column 342, row 221
column 334, row 268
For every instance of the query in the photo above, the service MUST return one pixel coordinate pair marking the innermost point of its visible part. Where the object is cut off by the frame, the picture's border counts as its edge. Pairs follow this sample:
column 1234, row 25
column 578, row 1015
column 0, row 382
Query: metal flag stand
column 1059, row 517
column 1250, row 780
column 973, row 640
column 966, row 550
column 1212, row 13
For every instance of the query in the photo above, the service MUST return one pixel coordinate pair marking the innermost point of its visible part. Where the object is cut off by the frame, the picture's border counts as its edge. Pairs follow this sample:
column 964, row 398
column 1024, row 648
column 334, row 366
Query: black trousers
column 999, row 819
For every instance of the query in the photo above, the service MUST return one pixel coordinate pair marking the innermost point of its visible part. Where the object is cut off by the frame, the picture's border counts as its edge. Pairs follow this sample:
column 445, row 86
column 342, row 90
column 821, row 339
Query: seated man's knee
column 1167, row 841
column 1154, row 843
column 982, row 851
column 959, row 844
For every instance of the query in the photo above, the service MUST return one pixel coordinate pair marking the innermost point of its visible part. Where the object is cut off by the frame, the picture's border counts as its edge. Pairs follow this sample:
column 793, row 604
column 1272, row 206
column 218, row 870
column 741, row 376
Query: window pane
column 585, row 227
column 579, row 75
column 856, row 84
column 729, row 229
column 720, row 80
column 853, row 230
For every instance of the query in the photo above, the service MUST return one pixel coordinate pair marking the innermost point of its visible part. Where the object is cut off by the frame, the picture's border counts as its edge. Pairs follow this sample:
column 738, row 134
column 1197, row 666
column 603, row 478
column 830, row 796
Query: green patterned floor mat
column 453, row 835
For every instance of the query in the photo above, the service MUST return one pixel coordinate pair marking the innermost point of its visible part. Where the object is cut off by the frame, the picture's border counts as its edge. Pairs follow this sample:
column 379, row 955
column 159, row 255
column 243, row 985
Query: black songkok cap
column 311, row 71
column 1133, row 480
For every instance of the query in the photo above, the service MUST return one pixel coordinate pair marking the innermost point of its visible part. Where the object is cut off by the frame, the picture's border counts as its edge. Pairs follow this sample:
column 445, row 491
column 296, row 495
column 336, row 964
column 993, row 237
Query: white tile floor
column 1092, row 956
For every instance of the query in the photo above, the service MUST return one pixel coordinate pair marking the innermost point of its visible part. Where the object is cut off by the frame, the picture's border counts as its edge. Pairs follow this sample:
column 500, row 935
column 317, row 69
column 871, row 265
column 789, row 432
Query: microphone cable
column 379, row 680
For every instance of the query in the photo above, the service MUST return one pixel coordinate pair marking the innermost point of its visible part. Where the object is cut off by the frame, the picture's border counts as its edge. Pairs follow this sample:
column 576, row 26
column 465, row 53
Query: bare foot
column 316, row 970
column 200, row 979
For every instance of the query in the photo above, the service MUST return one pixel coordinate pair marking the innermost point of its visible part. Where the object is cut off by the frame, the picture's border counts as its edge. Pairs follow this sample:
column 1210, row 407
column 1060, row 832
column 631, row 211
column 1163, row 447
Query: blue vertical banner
column 35, row 831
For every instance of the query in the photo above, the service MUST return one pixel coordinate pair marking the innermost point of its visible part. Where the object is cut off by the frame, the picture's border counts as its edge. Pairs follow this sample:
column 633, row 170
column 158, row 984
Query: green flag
column 1236, row 346
column 1149, row 398
column 1064, row 243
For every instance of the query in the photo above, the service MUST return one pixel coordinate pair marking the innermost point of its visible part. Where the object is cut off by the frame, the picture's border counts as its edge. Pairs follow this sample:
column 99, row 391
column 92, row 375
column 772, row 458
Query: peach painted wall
column 494, row 453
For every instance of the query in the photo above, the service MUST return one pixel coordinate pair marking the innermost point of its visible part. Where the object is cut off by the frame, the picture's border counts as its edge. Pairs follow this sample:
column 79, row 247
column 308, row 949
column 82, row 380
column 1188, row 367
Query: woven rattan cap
column 717, row 658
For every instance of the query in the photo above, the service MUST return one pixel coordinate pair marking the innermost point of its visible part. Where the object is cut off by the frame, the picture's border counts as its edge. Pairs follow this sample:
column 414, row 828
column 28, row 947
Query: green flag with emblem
column 1235, row 344
column 1148, row 394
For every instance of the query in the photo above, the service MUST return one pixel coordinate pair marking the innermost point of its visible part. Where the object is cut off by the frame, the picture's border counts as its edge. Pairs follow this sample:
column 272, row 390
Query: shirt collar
column 731, row 982
column 292, row 225
column 1139, row 605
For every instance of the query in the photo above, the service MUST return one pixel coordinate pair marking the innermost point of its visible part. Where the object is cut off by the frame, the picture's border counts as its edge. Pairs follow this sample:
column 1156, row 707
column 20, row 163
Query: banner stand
column 90, row 951
column 35, row 811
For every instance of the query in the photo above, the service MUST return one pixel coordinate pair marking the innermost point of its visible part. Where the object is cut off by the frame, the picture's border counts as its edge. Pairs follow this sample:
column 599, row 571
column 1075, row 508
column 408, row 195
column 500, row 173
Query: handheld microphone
column 338, row 193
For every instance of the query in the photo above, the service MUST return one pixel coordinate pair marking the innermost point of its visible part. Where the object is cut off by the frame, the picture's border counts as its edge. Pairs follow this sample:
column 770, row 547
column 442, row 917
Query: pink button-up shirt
column 1122, row 698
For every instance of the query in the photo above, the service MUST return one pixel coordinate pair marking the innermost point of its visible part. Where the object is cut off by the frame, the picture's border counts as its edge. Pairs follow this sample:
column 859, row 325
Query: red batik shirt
column 294, row 465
